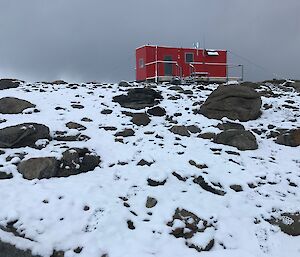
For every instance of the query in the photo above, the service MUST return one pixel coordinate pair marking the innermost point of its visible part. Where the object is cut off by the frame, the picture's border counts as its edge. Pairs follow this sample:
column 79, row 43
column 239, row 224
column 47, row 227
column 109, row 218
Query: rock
column 138, row 98
column 73, row 162
column 289, row 138
column 77, row 106
column 241, row 139
column 250, row 85
column 9, row 250
column 75, row 125
column 233, row 102
column 125, row 133
column 176, row 88
column 12, row 105
column 230, row 125
column 180, row 130
column 191, row 225
column 140, row 119
column 143, row 162
column 207, row 135
column 157, row 111
column 289, row 223
column 39, row 168
column 155, row 183
column 204, row 185
column 76, row 161
column 295, row 85
column 9, row 83
column 193, row 129
column 237, row 188
column 176, row 81
column 4, row 175
column 151, row 202
column 124, row 84
column 22, row 135
column 106, row 111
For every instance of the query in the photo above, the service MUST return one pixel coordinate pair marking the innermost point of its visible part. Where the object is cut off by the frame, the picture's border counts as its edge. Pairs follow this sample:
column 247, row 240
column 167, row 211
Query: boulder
column 180, row 130
column 9, row 250
column 234, row 102
column 23, row 135
column 73, row 162
column 39, row 168
column 289, row 223
column 289, row 138
column 241, row 139
column 12, row 105
column 9, row 83
column 230, row 125
column 138, row 98
column 157, row 111
column 140, row 119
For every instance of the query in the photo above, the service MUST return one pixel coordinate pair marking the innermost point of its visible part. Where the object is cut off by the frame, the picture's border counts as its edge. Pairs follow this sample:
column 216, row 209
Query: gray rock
column 22, row 135
column 39, row 168
column 157, row 111
column 241, row 139
column 125, row 133
column 180, row 130
column 289, row 223
column 230, row 125
column 9, row 83
column 193, row 129
column 151, row 202
column 138, row 98
column 140, row 119
column 289, row 138
column 75, row 125
column 9, row 250
column 233, row 102
column 12, row 105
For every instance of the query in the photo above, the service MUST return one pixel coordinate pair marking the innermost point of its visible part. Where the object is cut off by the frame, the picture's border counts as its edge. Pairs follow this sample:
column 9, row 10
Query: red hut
column 161, row 63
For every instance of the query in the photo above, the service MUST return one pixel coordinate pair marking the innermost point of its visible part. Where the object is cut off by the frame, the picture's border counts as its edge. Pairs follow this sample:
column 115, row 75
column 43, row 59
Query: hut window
column 189, row 57
column 141, row 63
column 212, row 53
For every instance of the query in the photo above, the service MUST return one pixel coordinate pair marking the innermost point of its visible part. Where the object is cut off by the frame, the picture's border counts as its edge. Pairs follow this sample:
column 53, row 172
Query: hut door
column 168, row 67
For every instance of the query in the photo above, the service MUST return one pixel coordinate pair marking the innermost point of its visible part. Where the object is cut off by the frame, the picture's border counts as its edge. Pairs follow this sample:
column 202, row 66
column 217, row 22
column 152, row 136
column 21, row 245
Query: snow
column 61, row 222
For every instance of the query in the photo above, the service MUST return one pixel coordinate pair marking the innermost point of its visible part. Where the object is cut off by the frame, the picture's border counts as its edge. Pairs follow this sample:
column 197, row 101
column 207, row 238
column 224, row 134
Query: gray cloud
column 96, row 39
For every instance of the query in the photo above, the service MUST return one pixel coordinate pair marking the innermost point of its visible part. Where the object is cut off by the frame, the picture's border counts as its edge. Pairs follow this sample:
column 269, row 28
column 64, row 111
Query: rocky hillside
column 140, row 170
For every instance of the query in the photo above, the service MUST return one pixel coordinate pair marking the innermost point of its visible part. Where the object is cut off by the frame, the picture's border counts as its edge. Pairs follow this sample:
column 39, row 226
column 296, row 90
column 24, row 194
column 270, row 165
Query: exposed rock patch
column 138, row 98
column 180, row 130
column 157, row 111
column 289, row 138
column 289, row 223
column 9, row 83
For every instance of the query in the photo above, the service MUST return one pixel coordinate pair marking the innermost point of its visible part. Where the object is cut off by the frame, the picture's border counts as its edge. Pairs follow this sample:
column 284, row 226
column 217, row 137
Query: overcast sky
column 86, row 40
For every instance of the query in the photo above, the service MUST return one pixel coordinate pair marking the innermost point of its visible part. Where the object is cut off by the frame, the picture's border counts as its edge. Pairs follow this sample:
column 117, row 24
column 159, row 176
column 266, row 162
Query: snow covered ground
column 103, row 212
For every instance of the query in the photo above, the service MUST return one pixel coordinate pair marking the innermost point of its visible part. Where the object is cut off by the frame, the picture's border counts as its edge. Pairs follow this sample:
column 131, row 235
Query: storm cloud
column 86, row 40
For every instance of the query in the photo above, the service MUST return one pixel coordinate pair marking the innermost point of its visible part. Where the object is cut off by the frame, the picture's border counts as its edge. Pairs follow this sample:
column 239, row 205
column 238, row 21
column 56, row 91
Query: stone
column 250, row 84
column 9, row 250
column 234, row 102
column 124, row 84
column 4, row 175
column 155, row 183
column 76, row 161
column 191, row 225
column 9, row 83
column 125, row 133
column 22, row 135
column 204, row 185
column 39, row 168
column 75, row 125
column 289, row 138
column 289, row 223
column 241, row 139
column 143, row 162
column 138, row 98
column 140, row 119
column 236, row 188
column 12, row 105
column 230, row 125
column 207, row 135
column 106, row 111
column 180, row 130
column 151, row 202
column 157, row 111
column 193, row 129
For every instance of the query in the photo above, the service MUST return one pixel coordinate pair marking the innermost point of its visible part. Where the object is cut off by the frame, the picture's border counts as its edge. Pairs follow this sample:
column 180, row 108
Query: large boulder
column 289, row 138
column 74, row 161
column 12, row 105
column 23, row 135
column 234, row 102
column 241, row 139
column 44, row 167
column 9, row 83
column 138, row 98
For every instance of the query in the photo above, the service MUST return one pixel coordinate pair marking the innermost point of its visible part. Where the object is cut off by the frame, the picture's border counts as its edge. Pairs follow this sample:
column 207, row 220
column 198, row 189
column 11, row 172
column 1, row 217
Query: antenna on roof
column 196, row 45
